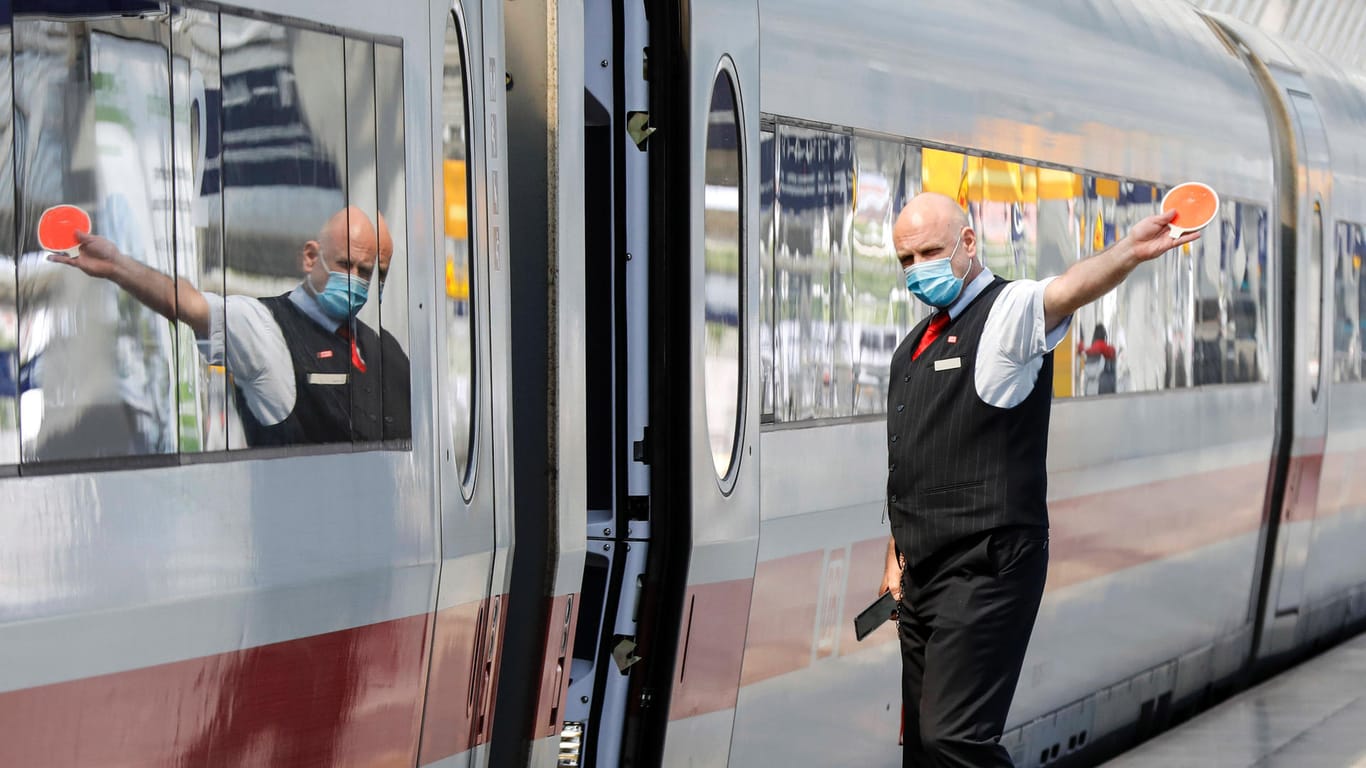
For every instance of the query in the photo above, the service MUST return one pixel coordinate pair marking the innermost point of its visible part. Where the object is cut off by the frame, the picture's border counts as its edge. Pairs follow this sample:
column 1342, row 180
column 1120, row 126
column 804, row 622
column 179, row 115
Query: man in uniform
column 305, row 370
column 967, row 431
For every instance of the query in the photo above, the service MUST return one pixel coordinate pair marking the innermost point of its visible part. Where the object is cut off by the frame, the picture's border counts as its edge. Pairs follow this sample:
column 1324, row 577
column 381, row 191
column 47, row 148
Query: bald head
column 929, row 227
column 349, row 242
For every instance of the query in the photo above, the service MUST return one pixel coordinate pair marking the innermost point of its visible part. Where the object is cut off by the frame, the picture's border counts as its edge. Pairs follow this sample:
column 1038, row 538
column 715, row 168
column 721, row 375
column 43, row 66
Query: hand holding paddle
column 96, row 256
column 1150, row 237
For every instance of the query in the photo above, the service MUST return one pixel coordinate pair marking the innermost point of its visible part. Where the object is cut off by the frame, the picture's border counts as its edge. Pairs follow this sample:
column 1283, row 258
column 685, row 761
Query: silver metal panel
column 725, row 31
column 1063, row 93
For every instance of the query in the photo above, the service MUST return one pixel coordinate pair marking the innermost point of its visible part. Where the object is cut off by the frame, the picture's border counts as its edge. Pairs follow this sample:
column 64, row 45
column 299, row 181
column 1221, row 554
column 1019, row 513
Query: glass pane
column 287, row 234
column 1211, row 304
column 9, row 310
column 393, row 254
column 460, row 338
column 768, row 166
column 721, row 232
column 874, row 284
column 197, row 109
column 1005, row 197
column 1058, row 233
column 367, row 244
column 98, row 366
column 814, row 186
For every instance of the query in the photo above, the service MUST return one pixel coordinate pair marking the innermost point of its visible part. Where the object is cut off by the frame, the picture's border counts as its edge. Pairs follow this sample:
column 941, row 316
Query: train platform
column 1311, row 716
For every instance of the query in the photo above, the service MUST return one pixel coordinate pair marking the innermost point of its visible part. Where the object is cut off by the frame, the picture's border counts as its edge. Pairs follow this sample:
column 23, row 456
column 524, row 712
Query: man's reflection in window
column 294, row 358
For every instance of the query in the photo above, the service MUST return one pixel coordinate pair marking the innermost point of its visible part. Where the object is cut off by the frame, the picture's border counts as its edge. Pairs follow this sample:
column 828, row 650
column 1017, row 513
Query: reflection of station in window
column 102, row 374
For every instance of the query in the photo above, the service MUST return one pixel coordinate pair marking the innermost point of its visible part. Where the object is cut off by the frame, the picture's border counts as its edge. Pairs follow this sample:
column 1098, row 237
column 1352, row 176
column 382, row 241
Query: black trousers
column 965, row 619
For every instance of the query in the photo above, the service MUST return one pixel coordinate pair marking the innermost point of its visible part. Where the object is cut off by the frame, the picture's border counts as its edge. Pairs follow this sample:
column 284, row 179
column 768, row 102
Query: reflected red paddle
column 57, row 228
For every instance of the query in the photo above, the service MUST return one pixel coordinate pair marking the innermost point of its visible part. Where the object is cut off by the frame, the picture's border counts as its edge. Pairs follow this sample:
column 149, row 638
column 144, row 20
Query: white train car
column 611, row 486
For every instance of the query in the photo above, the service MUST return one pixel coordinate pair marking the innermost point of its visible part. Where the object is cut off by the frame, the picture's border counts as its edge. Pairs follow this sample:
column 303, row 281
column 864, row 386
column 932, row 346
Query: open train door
column 703, row 447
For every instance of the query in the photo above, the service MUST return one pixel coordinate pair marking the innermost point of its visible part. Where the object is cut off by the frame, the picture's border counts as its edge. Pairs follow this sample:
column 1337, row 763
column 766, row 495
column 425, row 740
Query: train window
column 1349, row 335
column 722, row 235
column 238, row 174
column 9, row 314
column 96, row 370
column 459, row 272
column 768, row 144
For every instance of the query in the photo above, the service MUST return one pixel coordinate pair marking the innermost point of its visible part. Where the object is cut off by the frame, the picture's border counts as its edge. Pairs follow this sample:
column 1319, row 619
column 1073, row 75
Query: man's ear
column 309, row 255
column 970, row 241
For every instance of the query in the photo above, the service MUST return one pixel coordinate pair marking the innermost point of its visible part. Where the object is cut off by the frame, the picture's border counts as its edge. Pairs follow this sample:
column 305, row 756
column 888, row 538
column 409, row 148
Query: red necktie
column 356, row 362
column 937, row 324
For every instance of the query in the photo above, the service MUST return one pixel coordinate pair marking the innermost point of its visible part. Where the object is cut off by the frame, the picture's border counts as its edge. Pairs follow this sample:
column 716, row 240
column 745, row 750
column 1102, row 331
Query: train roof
column 1339, row 94
column 1147, row 91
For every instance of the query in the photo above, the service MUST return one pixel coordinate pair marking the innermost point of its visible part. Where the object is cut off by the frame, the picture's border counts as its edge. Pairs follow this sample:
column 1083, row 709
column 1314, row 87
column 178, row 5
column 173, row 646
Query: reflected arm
column 1089, row 279
column 171, row 298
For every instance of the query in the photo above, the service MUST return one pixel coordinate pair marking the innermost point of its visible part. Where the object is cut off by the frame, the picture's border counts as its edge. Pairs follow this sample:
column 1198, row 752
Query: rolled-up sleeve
column 1014, row 341
column 257, row 356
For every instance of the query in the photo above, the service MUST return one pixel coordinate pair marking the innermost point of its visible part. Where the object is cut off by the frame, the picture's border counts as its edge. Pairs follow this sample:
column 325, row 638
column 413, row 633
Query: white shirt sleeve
column 1013, row 344
column 257, row 357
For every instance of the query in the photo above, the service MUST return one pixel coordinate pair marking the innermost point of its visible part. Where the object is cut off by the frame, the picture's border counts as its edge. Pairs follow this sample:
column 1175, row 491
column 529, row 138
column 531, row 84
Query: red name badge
column 323, row 355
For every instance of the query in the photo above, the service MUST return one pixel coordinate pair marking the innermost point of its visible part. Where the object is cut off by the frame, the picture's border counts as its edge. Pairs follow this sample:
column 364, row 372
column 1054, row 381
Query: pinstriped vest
column 956, row 465
column 361, row 406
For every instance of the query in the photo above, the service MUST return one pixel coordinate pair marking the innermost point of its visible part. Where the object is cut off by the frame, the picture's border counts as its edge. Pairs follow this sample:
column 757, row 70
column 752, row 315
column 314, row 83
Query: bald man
column 304, row 368
column 967, row 432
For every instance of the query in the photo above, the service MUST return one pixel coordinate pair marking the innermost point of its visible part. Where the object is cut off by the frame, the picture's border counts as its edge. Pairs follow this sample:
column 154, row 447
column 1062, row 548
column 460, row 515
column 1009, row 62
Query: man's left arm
column 1091, row 278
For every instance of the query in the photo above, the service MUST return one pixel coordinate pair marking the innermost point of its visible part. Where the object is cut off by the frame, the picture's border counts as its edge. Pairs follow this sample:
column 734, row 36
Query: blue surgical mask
column 343, row 296
column 934, row 282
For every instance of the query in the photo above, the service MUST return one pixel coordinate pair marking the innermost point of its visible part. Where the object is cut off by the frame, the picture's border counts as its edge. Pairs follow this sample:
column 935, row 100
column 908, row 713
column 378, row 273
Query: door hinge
column 639, row 128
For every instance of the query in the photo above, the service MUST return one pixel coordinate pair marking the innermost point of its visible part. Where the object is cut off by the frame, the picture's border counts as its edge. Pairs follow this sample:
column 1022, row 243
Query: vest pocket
column 954, row 487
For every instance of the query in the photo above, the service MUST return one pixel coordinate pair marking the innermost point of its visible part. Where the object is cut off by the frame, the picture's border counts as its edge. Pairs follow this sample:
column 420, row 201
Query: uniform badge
column 325, row 354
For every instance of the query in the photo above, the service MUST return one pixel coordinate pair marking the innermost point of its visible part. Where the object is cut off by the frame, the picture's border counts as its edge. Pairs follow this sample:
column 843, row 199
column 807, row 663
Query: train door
column 702, row 443
column 471, row 380
column 1304, row 400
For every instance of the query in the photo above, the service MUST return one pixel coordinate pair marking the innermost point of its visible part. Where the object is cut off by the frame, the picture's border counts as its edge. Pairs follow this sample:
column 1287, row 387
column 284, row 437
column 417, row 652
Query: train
column 615, row 483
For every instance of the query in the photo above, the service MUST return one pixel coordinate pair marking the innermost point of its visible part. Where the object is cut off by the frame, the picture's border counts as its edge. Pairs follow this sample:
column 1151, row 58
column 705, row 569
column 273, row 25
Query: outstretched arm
column 1089, row 279
column 172, row 299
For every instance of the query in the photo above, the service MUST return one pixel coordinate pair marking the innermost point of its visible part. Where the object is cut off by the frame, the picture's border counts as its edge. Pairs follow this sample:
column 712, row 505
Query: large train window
column 459, row 270
column 244, row 183
column 723, row 238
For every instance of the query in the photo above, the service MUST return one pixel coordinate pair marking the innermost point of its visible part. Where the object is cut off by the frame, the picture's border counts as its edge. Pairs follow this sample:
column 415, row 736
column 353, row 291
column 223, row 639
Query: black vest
column 956, row 465
column 334, row 402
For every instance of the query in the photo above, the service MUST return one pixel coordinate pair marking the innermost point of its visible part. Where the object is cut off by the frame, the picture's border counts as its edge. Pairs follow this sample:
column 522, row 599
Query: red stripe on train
column 347, row 697
column 1092, row 536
